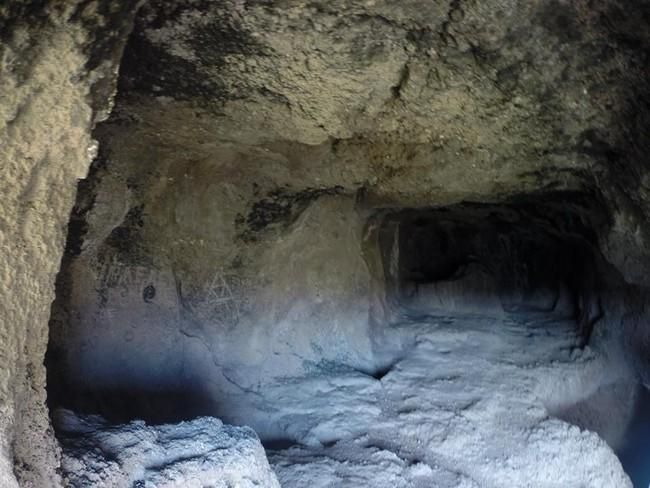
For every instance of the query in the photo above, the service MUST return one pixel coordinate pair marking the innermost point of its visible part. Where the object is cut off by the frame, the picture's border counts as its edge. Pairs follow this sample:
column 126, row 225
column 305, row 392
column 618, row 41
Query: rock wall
column 297, row 301
column 229, row 214
column 58, row 66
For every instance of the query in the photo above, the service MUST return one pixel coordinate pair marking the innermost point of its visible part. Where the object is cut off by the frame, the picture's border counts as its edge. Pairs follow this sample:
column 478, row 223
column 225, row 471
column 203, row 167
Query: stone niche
column 534, row 254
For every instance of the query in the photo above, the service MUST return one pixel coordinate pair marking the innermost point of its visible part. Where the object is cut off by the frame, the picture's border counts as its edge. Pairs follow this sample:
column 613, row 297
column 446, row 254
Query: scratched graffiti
column 220, row 302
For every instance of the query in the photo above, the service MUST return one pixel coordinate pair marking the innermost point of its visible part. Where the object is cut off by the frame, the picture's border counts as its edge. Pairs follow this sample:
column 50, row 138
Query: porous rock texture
column 195, row 454
column 58, row 66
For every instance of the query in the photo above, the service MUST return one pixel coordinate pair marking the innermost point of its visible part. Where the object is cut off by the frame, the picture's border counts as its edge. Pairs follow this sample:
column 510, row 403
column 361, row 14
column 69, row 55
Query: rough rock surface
column 195, row 454
column 230, row 210
column 469, row 406
column 226, row 235
column 58, row 63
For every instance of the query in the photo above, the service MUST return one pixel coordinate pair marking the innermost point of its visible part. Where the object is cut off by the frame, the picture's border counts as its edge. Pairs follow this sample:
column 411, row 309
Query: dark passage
column 536, row 255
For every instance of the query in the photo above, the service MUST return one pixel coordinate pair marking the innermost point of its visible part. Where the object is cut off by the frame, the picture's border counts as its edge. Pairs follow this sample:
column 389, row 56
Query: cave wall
column 415, row 105
column 226, row 235
column 246, row 133
column 227, row 214
column 182, row 294
column 58, row 67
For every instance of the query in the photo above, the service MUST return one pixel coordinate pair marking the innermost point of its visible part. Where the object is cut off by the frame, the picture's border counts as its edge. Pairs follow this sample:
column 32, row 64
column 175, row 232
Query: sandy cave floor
column 472, row 403
column 465, row 407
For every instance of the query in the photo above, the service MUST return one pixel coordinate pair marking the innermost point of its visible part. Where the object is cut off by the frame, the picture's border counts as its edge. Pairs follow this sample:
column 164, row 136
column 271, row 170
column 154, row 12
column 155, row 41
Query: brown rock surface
column 52, row 66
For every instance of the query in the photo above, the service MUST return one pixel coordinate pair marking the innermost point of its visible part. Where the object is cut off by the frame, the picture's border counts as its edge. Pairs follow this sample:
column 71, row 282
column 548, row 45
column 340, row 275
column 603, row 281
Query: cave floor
column 467, row 406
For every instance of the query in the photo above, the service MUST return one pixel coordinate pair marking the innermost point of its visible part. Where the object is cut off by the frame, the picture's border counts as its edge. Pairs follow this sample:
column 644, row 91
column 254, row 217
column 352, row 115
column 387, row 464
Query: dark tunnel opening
column 533, row 255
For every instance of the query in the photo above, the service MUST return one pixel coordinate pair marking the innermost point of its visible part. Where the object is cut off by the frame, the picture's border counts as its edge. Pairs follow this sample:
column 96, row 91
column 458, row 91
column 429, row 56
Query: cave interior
column 330, row 244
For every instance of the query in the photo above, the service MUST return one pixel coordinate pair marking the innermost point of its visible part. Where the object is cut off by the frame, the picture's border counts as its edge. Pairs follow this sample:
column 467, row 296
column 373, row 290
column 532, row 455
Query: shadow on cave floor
column 120, row 406
column 635, row 451
column 278, row 444
column 619, row 412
